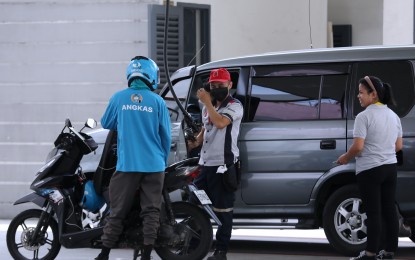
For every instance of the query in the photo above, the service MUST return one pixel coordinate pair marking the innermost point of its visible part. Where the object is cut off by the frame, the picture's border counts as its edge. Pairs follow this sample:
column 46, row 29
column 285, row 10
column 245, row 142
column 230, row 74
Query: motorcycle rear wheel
column 21, row 228
column 199, row 234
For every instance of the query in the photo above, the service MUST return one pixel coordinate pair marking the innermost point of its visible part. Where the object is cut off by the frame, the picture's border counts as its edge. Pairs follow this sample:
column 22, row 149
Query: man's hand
column 204, row 96
column 192, row 144
column 198, row 140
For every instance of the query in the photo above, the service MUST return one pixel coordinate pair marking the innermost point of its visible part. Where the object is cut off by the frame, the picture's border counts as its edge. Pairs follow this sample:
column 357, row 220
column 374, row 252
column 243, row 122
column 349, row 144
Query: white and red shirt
column 220, row 145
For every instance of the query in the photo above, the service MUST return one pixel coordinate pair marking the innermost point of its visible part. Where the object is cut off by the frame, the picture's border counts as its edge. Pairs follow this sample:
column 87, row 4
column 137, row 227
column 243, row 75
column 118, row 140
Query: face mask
column 219, row 94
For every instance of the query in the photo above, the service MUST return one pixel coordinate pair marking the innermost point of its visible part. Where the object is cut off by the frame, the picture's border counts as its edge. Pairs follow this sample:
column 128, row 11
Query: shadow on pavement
column 300, row 250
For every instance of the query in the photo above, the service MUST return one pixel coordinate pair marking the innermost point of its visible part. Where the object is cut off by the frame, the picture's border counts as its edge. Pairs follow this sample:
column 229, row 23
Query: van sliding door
column 296, row 129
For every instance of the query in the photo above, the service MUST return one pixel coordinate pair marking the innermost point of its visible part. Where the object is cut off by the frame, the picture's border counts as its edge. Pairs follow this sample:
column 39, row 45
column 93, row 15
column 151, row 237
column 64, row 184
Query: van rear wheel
column 412, row 236
column 344, row 221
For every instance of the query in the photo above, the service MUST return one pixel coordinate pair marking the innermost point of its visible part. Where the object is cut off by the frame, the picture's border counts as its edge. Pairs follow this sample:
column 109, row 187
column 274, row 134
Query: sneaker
column 383, row 255
column 363, row 256
column 105, row 251
column 218, row 255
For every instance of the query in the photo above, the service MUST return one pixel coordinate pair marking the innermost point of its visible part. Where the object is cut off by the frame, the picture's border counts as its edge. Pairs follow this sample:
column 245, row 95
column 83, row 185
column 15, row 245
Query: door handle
column 328, row 144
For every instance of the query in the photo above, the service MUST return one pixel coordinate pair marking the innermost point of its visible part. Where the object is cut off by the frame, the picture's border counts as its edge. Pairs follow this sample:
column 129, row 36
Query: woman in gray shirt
column 377, row 137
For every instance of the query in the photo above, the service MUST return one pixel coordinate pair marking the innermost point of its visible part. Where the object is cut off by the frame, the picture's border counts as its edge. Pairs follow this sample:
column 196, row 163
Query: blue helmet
column 91, row 200
column 145, row 69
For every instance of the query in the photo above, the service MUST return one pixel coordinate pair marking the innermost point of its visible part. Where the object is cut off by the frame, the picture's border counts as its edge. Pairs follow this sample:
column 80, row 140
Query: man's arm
column 165, row 132
column 217, row 119
column 109, row 119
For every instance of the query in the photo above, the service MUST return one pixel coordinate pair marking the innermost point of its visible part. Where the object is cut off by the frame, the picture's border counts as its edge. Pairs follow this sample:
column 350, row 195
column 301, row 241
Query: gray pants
column 122, row 189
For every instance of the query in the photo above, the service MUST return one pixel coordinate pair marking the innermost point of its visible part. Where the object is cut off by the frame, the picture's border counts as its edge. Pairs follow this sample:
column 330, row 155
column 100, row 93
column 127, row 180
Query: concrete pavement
column 247, row 244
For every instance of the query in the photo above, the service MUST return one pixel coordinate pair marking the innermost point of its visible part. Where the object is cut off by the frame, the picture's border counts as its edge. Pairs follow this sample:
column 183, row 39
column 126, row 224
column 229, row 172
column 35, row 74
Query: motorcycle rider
column 142, row 121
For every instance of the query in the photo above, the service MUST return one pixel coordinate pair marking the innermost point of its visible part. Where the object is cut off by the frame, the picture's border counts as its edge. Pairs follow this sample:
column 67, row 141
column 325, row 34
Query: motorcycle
column 74, row 206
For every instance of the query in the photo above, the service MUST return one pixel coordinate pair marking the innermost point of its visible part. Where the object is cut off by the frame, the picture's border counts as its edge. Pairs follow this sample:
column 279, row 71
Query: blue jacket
column 142, row 121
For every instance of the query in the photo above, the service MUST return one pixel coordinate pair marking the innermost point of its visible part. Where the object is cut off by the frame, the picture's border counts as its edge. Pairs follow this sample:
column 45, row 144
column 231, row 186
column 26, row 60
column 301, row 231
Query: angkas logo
column 136, row 98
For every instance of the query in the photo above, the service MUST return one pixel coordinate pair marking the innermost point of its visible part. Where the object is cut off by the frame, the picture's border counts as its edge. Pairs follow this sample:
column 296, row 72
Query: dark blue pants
column 222, row 202
column 378, row 187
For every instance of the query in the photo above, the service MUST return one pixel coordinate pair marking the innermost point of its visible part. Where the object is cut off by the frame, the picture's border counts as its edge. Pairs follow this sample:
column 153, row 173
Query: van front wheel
column 344, row 221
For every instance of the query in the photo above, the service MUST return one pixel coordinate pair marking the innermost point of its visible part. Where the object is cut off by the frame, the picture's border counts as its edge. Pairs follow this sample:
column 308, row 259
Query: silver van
column 299, row 112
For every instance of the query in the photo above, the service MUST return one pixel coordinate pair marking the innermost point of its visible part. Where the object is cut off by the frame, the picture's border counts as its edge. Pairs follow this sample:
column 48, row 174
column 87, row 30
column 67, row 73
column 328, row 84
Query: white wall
column 398, row 22
column 366, row 18
column 243, row 27
column 58, row 59
column 375, row 22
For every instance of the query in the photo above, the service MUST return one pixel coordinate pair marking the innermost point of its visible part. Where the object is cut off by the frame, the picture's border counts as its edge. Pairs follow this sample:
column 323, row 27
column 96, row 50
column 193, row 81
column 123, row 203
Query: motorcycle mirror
column 68, row 123
column 90, row 123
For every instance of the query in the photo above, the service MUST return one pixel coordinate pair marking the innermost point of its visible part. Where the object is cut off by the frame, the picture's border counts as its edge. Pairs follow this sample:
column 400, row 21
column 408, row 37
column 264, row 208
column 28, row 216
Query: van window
column 181, row 88
column 399, row 74
column 333, row 97
column 285, row 98
column 303, row 93
column 201, row 81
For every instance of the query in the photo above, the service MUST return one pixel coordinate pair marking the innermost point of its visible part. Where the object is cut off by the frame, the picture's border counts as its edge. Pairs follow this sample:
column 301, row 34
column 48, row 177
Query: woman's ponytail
column 388, row 95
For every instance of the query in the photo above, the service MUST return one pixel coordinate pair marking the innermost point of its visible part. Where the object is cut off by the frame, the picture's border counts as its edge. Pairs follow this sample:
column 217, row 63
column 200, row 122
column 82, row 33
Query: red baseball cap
column 219, row 75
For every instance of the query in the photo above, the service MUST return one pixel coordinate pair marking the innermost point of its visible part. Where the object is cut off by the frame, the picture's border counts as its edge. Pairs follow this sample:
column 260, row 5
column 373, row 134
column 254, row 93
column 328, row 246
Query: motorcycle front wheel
column 21, row 228
column 194, row 229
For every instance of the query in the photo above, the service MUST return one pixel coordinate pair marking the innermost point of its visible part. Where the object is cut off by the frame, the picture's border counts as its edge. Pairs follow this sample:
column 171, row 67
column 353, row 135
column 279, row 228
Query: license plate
column 203, row 197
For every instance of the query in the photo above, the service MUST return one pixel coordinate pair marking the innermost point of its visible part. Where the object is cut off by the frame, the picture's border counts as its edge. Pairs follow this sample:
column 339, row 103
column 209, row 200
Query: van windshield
column 181, row 89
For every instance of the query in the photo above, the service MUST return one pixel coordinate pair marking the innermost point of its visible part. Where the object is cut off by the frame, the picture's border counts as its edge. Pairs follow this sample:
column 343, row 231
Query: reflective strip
column 222, row 210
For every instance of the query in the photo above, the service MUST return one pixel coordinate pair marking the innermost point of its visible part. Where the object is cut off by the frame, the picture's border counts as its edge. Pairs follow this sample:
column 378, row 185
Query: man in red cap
column 221, row 117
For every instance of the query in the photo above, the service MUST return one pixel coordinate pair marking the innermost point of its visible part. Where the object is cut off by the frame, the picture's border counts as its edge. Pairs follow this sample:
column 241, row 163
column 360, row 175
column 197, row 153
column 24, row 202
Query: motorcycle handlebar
column 65, row 140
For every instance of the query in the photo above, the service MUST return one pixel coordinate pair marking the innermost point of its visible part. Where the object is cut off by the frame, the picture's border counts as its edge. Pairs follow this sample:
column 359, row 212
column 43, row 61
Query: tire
column 18, row 231
column 344, row 221
column 412, row 236
column 191, row 247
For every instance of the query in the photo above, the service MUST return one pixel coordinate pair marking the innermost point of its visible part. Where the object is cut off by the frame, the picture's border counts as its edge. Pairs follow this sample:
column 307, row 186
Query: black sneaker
column 105, row 251
column 363, row 256
column 102, row 257
column 383, row 255
column 218, row 255
column 146, row 252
